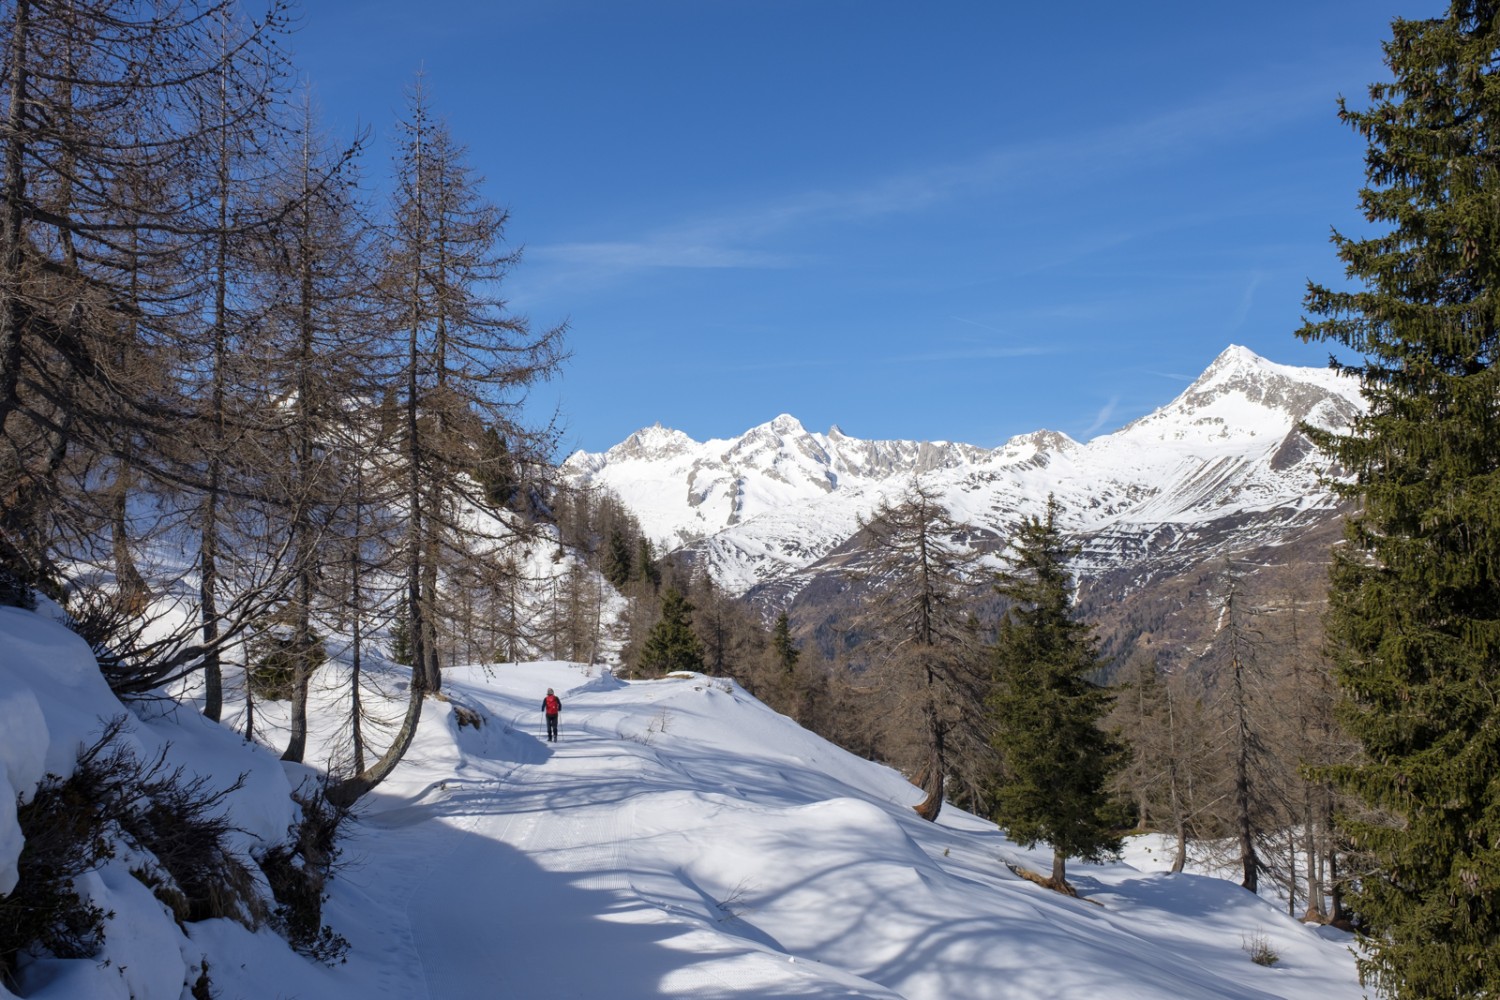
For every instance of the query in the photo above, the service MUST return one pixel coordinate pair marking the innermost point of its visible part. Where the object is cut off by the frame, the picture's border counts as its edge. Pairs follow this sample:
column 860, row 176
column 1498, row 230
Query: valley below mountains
column 1219, row 491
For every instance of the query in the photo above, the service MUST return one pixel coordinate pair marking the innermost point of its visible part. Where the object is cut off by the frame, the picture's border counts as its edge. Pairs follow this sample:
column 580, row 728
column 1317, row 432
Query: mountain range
column 1222, row 479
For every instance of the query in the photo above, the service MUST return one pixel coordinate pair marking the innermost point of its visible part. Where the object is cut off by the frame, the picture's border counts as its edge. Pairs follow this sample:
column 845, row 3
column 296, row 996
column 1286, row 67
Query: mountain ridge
column 767, row 506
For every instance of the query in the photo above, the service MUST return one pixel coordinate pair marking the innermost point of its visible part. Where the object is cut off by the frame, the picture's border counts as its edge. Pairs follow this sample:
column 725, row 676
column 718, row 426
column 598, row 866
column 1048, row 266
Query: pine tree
column 782, row 647
column 1056, row 759
column 618, row 566
column 672, row 644
column 1414, row 618
column 646, row 568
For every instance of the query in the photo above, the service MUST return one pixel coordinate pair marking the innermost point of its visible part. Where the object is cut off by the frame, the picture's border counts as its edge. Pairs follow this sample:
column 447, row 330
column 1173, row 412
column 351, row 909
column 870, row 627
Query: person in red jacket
column 551, row 705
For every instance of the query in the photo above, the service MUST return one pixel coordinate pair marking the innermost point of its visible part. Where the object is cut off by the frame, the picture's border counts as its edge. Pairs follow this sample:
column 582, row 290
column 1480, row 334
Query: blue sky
column 954, row 220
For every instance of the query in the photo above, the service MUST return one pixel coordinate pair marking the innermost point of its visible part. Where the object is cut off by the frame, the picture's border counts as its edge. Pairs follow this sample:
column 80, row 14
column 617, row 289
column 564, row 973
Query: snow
column 772, row 502
column 679, row 840
column 45, row 715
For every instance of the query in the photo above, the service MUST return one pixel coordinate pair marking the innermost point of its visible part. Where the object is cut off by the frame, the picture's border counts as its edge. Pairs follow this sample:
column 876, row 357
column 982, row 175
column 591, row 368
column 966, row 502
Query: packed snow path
column 523, row 864
column 680, row 840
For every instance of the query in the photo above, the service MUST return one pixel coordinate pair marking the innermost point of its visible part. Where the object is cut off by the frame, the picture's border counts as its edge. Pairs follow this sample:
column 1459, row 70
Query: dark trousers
column 552, row 728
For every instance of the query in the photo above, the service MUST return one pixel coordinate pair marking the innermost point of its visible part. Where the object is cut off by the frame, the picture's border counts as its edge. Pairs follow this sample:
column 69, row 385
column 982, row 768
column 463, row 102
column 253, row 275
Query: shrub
column 190, row 867
column 274, row 658
column 113, row 624
column 1260, row 950
column 14, row 590
column 298, row 870
column 202, row 988
column 71, row 826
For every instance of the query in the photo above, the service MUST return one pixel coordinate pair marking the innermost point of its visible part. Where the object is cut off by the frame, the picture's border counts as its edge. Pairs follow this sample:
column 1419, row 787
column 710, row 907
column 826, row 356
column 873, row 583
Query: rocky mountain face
column 1221, row 482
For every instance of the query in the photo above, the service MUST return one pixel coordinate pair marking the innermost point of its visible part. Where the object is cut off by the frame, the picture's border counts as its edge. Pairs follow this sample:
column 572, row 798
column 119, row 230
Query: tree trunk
column 1059, row 879
column 14, row 209
column 356, row 603
column 131, row 590
column 213, row 679
column 304, row 548
column 1315, row 911
column 345, row 793
column 931, row 778
column 1249, row 861
column 937, row 761
column 249, row 704
column 208, row 581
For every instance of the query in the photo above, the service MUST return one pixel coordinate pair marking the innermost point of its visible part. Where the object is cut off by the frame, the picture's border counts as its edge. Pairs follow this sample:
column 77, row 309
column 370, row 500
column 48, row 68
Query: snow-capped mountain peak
column 768, row 504
column 1243, row 397
column 651, row 444
column 1037, row 447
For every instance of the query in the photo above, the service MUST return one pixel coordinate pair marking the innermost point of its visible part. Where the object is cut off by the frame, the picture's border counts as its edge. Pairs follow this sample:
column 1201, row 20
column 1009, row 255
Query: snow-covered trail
column 520, row 888
column 680, row 840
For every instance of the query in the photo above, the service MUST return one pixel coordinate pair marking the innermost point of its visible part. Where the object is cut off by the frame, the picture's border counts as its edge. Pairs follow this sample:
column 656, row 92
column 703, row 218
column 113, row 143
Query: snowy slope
column 679, row 840
column 762, row 507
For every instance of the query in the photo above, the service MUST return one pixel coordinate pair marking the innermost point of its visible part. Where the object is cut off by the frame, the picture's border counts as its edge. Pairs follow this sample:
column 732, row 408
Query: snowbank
column 54, row 702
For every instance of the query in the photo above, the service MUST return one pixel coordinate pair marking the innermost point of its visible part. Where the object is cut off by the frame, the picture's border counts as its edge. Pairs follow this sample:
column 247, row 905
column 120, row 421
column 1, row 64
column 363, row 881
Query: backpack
column 552, row 705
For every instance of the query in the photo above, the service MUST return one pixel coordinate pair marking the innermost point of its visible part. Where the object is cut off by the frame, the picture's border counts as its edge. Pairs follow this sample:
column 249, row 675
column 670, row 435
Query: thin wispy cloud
column 961, row 354
column 661, row 252
column 1103, row 417
column 730, row 239
column 1247, row 300
column 982, row 326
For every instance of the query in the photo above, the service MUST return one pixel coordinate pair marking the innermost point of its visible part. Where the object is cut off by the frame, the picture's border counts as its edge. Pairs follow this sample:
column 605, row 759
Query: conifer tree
column 782, row 647
column 1056, row 759
column 672, row 644
column 646, row 568
column 618, row 566
column 1414, row 619
column 918, row 618
column 466, row 361
column 495, row 469
column 1163, row 722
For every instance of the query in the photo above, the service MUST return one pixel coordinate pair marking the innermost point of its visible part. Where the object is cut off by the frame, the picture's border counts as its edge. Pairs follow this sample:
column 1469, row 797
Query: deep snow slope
column 679, row 840
column 766, row 506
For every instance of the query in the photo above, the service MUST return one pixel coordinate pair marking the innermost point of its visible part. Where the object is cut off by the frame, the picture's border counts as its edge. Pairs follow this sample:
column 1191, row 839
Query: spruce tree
column 1056, row 760
column 618, row 566
column 672, row 643
column 646, row 568
column 1414, row 619
column 782, row 647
